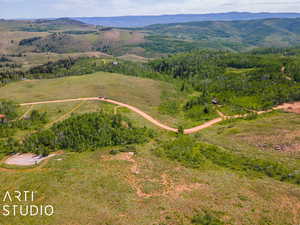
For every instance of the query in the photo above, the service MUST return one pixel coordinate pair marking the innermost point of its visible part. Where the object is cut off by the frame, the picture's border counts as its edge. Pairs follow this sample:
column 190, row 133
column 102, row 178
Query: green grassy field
column 30, row 59
column 145, row 94
column 98, row 188
column 238, row 71
column 271, row 136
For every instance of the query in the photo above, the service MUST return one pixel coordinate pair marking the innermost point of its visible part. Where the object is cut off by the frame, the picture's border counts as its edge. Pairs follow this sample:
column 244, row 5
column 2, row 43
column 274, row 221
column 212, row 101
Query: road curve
column 203, row 126
column 143, row 114
column 151, row 119
column 132, row 108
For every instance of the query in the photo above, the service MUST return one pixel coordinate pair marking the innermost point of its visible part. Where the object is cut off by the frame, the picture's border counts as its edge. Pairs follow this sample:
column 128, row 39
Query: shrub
column 114, row 152
column 184, row 149
column 206, row 219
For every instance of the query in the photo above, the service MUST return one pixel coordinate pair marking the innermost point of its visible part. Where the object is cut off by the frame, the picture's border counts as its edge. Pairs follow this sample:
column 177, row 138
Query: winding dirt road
column 286, row 106
column 143, row 114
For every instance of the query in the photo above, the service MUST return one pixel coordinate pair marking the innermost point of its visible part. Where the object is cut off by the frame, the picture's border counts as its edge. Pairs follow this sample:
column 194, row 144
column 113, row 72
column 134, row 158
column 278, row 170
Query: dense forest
column 78, row 133
column 86, row 132
column 245, row 81
column 81, row 66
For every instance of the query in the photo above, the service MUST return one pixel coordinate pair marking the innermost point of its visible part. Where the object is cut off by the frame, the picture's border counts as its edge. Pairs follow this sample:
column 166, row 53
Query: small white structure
column 214, row 101
column 27, row 159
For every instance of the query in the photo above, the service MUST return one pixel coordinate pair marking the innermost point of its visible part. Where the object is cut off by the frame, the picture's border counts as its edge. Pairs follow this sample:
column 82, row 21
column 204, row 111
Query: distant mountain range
column 141, row 21
column 232, row 35
column 66, row 35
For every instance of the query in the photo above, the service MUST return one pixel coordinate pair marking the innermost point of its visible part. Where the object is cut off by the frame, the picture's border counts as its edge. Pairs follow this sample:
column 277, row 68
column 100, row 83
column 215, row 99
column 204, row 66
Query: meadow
column 153, row 97
column 100, row 188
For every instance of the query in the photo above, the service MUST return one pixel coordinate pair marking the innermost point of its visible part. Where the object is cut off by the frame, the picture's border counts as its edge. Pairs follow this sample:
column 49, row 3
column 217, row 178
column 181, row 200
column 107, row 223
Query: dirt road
column 143, row 114
column 132, row 108
column 287, row 106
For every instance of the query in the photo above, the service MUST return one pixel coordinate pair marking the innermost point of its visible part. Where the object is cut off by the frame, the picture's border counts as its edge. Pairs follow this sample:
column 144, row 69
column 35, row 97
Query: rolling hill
column 71, row 36
column 231, row 35
column 145, row 94
column 141, row 21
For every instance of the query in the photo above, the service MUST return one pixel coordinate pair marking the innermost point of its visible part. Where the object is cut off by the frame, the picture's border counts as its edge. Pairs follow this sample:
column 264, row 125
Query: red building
column 2, row 118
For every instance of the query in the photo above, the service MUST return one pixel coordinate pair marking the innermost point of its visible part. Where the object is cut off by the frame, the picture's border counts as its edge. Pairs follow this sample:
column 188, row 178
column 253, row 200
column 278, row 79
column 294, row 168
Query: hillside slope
column 146, row 94
column 70, row 36
column 232, row 35
column 140, row 21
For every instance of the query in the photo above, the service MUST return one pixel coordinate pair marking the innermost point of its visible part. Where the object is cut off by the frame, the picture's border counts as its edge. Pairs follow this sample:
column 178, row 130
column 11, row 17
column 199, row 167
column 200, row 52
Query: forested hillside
column 231, row 35
column 70, row 36
column 247, row 81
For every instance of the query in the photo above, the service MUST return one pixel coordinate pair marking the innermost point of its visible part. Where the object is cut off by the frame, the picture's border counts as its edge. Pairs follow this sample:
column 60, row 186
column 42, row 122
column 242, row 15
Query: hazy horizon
column 33, row 9
column 149, row 15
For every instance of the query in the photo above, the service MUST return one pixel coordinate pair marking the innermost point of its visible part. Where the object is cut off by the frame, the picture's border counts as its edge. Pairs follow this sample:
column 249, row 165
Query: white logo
column 21, row 203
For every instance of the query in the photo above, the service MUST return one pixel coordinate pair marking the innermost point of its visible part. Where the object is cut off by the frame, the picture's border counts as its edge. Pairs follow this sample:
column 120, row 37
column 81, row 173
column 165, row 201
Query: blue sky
column 90, row 8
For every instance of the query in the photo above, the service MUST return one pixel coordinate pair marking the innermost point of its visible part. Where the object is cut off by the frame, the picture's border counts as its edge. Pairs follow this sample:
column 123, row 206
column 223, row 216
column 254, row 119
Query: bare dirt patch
column 137, row 37
column 125, row 156
column 113, row 35
column 137, row 181
column 133, row 57
column 27, row 159
column 174, row 190
column 89, row 54
column 283, row 141
column 290, row 107
column 294, row 110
